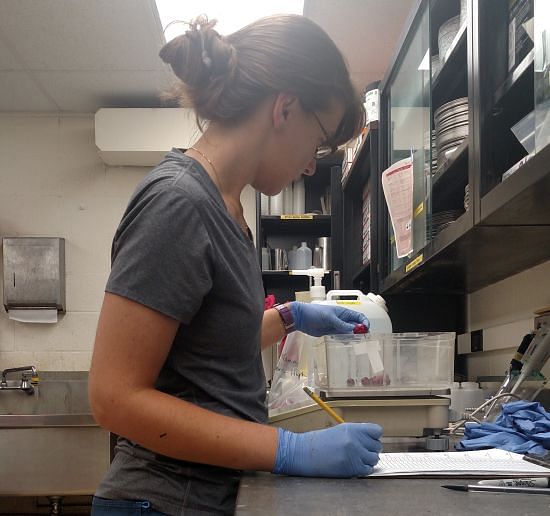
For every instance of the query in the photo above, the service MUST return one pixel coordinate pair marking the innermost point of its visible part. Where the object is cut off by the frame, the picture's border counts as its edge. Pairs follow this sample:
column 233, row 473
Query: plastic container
column 303, row 257
column 287, row 199
column 398, row 363
column 299, row 197
column 276, row 204
column 264, row 204
column 372, row 305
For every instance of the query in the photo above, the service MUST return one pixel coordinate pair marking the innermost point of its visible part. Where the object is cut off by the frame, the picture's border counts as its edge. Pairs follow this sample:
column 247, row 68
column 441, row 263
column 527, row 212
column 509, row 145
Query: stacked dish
column 446, row 35
column 440, row 220
column 451, row 126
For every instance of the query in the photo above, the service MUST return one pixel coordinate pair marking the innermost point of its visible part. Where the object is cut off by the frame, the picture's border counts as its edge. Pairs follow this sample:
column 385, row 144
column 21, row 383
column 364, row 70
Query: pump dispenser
column 316, row 289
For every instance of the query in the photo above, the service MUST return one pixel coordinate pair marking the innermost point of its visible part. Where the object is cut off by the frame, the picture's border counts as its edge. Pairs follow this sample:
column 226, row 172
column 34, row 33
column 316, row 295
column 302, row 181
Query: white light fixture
column 231, row 16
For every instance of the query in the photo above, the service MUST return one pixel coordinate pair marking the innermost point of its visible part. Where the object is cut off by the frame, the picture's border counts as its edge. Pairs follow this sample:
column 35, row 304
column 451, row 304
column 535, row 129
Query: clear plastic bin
column 384, row 362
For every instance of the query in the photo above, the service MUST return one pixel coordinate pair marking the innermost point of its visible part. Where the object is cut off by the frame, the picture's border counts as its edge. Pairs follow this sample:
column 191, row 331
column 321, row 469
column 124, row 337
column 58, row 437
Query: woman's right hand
column 345, row 450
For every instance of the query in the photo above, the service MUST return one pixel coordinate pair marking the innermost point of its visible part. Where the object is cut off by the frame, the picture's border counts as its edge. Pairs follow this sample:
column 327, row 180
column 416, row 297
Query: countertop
column 277, row 495
column 264, row 493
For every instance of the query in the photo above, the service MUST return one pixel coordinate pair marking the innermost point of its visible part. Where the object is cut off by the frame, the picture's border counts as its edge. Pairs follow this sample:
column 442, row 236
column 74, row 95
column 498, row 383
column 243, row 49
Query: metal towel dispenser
column 34, row 272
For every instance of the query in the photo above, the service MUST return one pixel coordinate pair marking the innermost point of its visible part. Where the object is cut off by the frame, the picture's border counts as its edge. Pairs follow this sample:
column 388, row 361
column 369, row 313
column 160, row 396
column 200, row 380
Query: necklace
column 240, row 219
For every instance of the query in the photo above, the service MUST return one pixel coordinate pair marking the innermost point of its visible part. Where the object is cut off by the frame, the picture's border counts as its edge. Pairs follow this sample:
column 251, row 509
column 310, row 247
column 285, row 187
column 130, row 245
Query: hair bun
column 200, row 54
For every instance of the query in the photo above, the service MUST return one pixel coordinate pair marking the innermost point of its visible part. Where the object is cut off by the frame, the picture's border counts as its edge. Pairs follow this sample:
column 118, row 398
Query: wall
column 496, row 307
column 53, row 183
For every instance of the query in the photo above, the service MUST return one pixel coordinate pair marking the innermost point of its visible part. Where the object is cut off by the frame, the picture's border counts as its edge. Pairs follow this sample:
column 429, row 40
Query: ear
column 283, row 108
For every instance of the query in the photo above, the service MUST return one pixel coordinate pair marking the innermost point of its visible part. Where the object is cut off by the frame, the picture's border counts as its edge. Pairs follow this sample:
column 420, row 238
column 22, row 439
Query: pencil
column 323, row 405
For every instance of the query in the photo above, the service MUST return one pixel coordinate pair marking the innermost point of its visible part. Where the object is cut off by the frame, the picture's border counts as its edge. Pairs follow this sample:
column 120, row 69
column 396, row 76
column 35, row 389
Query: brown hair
column 224, row 78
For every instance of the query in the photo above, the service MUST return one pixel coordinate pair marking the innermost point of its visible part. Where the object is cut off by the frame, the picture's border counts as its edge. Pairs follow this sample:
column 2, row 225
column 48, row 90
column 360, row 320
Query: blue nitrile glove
column 318, row 320
column 345, row 450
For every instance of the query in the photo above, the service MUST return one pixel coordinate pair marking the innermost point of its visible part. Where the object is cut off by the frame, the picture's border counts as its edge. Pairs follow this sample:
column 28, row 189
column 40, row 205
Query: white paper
column 46, row 315
column 493, row 462
column 397, row 182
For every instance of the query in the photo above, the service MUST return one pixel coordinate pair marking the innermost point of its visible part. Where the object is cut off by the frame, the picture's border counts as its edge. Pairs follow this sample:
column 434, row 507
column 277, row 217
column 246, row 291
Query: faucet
column 25, row 385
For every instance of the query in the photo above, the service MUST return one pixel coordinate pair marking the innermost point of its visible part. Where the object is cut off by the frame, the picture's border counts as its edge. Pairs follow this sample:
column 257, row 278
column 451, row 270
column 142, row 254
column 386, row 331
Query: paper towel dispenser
column 34, row 273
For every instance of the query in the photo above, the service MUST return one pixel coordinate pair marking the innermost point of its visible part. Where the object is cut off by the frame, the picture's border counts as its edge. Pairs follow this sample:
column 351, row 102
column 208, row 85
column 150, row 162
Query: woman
column 177, row 367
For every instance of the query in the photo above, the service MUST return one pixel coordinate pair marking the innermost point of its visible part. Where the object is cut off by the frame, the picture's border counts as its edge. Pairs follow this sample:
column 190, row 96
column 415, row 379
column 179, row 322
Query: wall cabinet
column 451, row 101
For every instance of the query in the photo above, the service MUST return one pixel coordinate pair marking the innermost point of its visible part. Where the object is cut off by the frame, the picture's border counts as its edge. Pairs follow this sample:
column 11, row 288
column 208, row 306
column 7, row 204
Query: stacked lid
column 451, row 127
column 441, row 220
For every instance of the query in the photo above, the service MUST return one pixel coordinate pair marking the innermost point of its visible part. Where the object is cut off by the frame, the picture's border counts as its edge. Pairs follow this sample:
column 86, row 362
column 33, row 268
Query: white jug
column 372, row 305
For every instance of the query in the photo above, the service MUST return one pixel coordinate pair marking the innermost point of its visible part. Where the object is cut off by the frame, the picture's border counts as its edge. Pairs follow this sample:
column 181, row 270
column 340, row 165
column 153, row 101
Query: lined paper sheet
column 491, row 462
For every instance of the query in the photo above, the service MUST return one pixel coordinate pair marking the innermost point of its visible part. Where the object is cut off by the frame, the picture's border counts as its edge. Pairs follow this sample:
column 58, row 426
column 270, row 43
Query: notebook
column 493, row 462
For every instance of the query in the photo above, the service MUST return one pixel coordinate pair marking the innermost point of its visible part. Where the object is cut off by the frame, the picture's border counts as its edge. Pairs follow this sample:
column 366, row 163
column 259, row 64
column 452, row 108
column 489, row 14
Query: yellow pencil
column 323, row 405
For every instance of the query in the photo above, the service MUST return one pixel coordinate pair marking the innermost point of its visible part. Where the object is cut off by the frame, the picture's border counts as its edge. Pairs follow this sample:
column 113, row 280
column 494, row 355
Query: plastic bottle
column 303, row 257
column 372, row 305
column 299, row 197
column 292, row 257
column 472, row 395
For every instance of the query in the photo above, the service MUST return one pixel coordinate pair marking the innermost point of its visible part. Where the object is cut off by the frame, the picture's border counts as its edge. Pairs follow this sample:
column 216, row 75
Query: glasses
column 326, row 148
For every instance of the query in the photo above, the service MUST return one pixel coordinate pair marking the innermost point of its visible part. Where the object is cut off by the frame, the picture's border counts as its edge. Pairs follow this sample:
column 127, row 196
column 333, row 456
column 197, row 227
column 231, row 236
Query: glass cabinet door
column 409, row 128
column 429, row 119
column 542, row 74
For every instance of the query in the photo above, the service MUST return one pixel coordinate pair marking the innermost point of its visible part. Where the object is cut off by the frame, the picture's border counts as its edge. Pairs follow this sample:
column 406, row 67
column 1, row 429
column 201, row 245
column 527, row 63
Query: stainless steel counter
column 276, row 495
column 263, row 493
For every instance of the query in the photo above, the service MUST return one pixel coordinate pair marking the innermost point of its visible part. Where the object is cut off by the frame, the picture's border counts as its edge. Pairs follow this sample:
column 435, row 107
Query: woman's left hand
column 318, row 320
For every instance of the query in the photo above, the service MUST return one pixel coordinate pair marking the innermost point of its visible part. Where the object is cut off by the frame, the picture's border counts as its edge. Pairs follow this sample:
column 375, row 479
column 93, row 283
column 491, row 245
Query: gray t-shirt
column 178, row 251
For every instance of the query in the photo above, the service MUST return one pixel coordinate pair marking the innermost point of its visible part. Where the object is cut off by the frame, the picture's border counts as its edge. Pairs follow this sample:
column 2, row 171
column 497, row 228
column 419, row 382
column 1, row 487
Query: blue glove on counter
column 345, row 450
column 318, row 320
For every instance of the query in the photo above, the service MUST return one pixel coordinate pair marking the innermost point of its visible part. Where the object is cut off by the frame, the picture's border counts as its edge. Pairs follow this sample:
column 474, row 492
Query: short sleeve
column 162, row 255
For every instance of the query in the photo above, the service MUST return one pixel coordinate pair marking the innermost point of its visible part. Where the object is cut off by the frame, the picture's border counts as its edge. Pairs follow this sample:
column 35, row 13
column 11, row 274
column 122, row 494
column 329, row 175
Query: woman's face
column 293, row 151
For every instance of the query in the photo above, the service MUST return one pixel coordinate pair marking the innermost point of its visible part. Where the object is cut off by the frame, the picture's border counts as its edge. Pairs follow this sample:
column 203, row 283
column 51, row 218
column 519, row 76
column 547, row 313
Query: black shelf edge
column 359, row 156
column 454, row 49
column 449, row 163
column 481, row 257
column 361, row 271
column 514, row 77
column 304, row 218
column 286, row 273
column 522, row 199
column 429, row 253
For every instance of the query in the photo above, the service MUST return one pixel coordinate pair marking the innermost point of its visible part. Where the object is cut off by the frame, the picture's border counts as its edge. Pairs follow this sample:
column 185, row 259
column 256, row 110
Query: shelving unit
column 284, row 231
column 363, row 174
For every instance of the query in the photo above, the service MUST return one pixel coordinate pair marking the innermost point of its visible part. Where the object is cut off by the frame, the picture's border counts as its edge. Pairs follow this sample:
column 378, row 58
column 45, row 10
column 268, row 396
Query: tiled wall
column 53, row 183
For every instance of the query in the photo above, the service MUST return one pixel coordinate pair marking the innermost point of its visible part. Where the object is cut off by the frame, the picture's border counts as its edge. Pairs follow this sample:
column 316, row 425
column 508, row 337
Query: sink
column 50, row 443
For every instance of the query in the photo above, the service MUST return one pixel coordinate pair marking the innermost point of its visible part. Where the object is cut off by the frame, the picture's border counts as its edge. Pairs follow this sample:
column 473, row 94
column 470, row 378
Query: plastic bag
column 292, row 373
